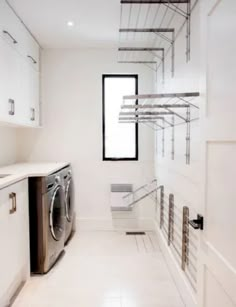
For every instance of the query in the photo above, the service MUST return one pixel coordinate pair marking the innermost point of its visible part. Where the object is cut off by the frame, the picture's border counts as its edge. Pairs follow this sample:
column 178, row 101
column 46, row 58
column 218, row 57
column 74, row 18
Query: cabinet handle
column 32, row 114
column 33, row 60
column 13, row 209
column 13, row 39
column 12, row 104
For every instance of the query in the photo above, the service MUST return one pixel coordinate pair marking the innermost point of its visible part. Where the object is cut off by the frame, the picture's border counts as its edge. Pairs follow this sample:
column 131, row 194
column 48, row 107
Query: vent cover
column 121, row 188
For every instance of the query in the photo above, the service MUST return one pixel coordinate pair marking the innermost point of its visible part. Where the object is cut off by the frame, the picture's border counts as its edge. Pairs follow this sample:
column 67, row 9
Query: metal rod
column 163, row 139
column 148, row 30
column 140, row 49
column 188, row 133
column 144, row 113
column 185, row 231
column 153, row 106
column 158, row 96
column 152, row 1
column 171, row 219
column 137, row 62
column 162, row 195
column 173, row 139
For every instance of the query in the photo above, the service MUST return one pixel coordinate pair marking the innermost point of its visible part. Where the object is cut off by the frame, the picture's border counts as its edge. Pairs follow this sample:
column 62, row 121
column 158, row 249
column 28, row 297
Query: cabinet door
column 9, row 81
column 14, row 237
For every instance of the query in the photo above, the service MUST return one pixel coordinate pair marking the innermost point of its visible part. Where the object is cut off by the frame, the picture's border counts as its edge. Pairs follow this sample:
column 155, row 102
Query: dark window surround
column 104, row 158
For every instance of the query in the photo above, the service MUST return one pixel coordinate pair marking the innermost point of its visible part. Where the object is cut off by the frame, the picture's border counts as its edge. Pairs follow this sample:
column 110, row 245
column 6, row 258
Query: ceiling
column 96, row 22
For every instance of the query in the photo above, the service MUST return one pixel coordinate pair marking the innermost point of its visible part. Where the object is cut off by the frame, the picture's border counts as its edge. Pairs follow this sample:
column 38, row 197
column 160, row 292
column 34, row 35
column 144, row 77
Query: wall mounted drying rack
column 164, row 31
column 180, row 238
column 162, row 114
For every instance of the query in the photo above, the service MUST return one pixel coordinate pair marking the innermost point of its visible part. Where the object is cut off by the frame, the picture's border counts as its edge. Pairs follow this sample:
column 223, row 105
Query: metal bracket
column 173, row 138
column 162, row 207
column 171, row 4
column 198, row 223
column 185, row 237
column 152, row 50
column 171, row 219
column 188, row 135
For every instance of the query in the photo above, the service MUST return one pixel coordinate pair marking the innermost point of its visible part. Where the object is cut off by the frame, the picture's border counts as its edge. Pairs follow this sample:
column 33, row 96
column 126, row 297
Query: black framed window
column 120, row 140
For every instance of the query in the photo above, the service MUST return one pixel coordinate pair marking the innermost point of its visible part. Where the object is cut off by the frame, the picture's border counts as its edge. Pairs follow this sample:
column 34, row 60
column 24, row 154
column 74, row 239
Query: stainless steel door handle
column 32, row 114
column 32, row 59
column 8, row 34
column 12, row 105
column 13, row 209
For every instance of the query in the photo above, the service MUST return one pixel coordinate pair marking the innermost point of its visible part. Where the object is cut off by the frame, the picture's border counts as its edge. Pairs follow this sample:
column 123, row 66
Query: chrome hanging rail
column 159, row 32
column 148, row 113
column 151, row 50
column 172, row 5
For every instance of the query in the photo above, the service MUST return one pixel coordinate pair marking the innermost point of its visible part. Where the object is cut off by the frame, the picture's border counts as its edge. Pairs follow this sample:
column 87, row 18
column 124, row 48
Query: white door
column 217, row 278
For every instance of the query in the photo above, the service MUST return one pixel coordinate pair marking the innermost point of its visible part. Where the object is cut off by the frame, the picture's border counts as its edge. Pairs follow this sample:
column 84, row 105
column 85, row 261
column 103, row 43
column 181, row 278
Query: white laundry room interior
column 117, row 153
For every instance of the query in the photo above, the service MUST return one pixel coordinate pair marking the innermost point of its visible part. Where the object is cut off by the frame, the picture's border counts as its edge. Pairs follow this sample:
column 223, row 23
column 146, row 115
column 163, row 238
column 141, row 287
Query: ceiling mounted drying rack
column 164, row 31
column 162, row 110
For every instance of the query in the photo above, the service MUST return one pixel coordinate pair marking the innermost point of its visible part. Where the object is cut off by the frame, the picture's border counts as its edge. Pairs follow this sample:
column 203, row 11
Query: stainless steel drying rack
column 155, row 112
column 161, row 32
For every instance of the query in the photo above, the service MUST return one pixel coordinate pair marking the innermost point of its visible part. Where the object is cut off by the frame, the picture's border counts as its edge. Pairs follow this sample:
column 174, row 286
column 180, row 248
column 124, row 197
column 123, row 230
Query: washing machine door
column 69, row 201
column 56, row 214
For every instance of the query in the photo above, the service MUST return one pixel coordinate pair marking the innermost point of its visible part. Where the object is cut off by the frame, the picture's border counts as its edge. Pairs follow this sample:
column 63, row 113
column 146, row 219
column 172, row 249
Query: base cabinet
column 14, row 238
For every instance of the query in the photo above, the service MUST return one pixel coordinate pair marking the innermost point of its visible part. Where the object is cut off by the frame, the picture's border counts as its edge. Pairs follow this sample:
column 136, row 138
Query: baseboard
column 117, row 224
column 176, row 272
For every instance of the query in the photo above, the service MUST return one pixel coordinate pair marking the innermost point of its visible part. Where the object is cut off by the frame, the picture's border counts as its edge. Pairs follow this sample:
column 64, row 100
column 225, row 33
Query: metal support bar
column 137, row 62
column 152, row 1
column 185, row 237
column 188, row 134
column 188, row 30
column 163, row 139
column 162, row 207
column 142, row 118
column 137, row 113
column 148, row 30
column 153, row 106
column 147, row 63
column 140, row 49
column 152, row 50
column 173, row 55
column 171, row 220
column 159, row 96
column 173, row 139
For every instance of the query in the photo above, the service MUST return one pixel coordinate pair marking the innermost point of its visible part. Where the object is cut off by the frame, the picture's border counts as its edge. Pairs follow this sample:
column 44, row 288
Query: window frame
column 104, row 158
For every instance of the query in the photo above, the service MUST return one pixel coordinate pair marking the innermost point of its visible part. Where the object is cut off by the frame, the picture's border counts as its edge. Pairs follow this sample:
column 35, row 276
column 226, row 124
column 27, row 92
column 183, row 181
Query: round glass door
column 69, row 203
column 57, row 214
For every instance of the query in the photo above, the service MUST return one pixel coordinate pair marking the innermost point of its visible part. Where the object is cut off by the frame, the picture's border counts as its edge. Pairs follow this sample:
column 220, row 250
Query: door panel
column 221, row 196
column 217, row 277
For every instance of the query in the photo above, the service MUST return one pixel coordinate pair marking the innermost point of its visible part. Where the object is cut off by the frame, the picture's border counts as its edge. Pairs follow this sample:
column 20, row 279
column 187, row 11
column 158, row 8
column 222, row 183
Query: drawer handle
column 13, row 39
column 32, row 59
column 13, row 209
column 12, row 104
column 32, row 114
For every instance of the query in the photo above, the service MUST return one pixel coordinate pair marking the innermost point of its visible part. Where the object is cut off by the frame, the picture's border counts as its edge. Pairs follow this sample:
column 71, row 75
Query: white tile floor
column 105, row 269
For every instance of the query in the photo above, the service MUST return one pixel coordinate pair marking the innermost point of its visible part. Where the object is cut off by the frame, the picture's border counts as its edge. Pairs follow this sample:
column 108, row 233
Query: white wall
column 177, row 177
column 8, row 143
column 72, row 126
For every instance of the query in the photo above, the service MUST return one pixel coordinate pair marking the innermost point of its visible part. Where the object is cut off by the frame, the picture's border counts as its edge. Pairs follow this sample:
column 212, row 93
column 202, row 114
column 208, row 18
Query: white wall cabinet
column 14, row 238
column 19, row 74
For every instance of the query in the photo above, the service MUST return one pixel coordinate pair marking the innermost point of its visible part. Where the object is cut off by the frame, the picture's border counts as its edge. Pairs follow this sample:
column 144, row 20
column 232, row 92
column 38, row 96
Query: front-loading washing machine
column 47, row 221
column 69, row 203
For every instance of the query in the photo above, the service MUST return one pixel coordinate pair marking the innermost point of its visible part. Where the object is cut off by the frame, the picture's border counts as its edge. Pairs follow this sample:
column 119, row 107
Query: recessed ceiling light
column 70, row 24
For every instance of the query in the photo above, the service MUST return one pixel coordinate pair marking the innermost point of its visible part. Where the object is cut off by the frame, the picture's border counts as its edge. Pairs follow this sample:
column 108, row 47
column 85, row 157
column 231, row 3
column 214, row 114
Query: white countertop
column 20, row 171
